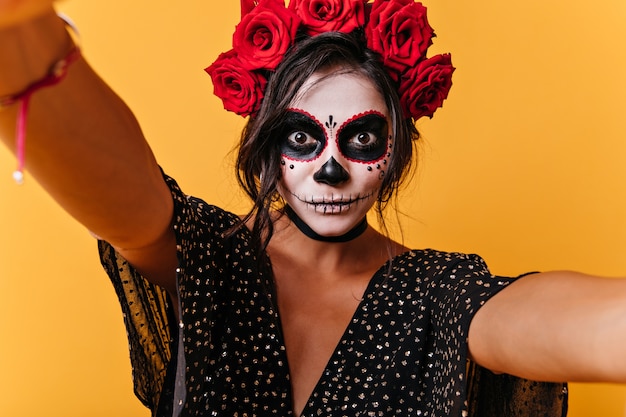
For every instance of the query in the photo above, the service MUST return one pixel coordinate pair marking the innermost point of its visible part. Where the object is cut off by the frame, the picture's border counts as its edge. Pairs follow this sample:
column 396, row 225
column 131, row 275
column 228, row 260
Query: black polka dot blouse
column 403, row 353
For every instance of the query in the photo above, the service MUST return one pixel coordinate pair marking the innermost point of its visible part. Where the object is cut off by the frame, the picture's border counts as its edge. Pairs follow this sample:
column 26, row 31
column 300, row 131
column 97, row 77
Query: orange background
column 525, row 165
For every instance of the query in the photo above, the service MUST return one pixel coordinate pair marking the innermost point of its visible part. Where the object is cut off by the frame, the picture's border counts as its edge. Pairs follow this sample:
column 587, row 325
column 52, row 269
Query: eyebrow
column 364, row 120
column 299, row 119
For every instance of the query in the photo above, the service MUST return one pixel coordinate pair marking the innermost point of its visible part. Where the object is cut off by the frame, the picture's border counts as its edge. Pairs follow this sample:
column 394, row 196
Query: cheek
column 378, row 169
column 293, row 171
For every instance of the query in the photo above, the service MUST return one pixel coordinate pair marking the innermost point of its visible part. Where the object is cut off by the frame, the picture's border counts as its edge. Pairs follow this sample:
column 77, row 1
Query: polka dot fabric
column 403, row 353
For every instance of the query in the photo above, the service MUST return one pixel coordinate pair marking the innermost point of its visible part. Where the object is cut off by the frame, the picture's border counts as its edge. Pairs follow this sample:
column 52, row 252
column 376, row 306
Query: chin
column 334, row 221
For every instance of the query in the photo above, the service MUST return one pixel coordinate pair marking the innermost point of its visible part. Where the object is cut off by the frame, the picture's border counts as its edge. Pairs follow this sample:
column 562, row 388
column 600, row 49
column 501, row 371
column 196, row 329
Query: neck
column 351, row 234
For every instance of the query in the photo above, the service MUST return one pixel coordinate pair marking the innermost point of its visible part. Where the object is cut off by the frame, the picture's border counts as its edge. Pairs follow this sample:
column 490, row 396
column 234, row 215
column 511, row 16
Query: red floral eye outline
column 302, row 136
column 364, row 137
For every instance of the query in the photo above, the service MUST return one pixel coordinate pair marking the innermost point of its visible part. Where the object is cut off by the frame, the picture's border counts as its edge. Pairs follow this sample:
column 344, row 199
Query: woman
column 323, row 174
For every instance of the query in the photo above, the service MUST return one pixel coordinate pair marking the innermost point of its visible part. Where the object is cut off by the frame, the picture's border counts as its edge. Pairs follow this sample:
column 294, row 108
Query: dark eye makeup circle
column 364, row 137
column 301, row 136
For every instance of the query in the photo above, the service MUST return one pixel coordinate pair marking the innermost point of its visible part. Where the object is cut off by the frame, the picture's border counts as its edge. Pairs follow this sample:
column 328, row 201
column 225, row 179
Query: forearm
column 557, row 326
column 83, row 144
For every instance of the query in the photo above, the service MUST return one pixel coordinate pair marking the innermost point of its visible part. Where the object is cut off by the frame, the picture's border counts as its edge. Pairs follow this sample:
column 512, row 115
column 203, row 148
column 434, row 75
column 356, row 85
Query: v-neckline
column 376, row 279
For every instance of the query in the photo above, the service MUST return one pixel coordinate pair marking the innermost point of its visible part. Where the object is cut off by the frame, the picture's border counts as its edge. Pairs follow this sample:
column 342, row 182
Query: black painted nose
column 331, row 173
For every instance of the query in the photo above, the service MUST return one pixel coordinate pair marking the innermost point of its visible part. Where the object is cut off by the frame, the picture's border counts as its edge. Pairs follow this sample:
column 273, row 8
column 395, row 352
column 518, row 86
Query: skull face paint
column 332, row 171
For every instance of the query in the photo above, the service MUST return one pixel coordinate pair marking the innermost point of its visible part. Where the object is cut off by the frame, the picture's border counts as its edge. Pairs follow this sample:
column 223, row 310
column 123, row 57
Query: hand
column 14, row 12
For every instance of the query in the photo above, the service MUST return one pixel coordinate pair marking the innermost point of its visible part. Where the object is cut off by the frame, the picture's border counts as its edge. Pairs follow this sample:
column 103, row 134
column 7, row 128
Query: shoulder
column 191, row 211
column 437, row 262
column 447, row 274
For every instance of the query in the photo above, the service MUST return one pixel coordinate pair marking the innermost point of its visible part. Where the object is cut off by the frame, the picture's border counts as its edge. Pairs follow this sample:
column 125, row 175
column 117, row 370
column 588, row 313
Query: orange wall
column 524, row 165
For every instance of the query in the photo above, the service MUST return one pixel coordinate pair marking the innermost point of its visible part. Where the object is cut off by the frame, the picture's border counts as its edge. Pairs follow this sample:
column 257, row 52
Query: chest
column 315, row 312
column 365, row 345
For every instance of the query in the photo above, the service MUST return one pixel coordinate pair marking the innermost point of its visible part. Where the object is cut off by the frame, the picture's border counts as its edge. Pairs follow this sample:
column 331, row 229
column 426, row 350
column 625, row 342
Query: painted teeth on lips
column 332, row 205
column 335, row 207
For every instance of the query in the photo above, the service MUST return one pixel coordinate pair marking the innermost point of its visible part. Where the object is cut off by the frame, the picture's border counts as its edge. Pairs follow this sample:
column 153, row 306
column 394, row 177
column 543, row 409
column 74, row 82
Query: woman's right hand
column 14, row 12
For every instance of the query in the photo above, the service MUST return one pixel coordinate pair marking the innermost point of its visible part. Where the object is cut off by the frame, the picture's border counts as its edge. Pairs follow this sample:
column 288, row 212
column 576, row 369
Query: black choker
column 353, row 233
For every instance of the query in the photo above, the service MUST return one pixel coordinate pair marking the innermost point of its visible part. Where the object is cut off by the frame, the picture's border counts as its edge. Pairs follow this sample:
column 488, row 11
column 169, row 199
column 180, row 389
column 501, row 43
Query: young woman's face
column 335, row 144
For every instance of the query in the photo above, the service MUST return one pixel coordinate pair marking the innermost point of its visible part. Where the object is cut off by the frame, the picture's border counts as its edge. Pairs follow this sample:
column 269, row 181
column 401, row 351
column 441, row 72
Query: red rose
column 399, row 31
column 319, row 16
column 264, row 35
column 241, row 91
column 424, row 87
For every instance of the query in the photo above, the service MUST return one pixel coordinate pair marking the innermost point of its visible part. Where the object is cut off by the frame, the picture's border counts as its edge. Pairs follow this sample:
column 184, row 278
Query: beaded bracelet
column 55, row 75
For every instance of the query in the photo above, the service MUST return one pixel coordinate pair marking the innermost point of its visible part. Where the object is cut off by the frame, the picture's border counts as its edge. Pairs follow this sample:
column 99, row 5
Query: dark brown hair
column 258, row 160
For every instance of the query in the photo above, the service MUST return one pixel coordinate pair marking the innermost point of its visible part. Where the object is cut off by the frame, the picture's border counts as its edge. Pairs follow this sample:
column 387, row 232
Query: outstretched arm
column 556, row 326
column 83, row 144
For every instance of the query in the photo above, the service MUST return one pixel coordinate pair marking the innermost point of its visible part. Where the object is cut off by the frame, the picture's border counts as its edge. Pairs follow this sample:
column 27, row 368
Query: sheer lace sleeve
column 148, row 316
column 491, row 395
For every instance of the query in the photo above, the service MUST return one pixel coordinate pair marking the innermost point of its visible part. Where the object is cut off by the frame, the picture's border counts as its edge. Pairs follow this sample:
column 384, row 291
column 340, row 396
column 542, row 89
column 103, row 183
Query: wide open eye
column 364, row 137
column 301, row 142
column 302, row 137
column 364, row 140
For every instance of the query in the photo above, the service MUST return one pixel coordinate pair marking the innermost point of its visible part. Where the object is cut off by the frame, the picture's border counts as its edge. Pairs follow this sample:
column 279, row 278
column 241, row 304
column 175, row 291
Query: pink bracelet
column 56, row 73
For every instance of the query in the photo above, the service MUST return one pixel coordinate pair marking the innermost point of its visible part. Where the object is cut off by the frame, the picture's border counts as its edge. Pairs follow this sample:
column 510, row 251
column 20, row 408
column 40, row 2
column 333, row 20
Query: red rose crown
column 398, row 30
